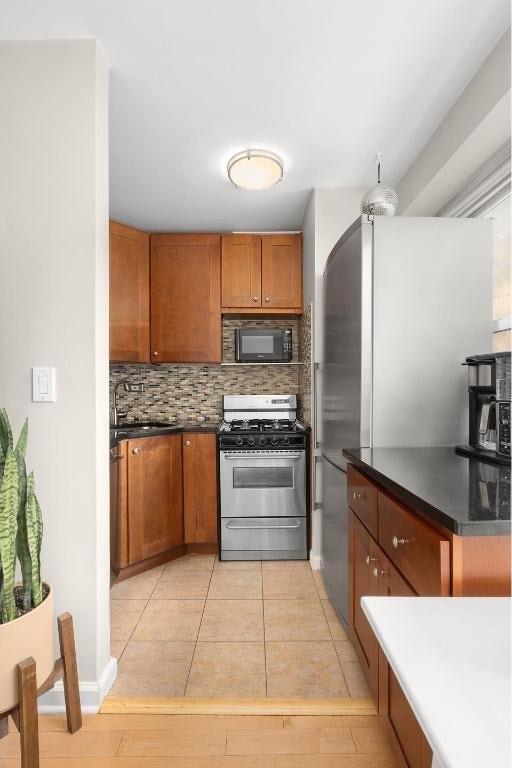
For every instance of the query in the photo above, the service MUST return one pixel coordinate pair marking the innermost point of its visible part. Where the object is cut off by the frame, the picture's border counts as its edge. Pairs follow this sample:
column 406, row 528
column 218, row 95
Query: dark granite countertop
column 467, row 496
column 128, row 431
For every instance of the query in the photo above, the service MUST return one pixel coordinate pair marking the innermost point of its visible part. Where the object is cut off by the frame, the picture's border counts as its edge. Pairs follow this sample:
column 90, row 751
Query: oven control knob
column 239, row 441
column 262, row 441
column 274, row 441
column 286, row 441
column 250, row 441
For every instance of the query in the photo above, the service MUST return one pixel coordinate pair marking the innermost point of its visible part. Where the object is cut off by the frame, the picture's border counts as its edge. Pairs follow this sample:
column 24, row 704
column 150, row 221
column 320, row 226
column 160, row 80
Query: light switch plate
column 43, row 385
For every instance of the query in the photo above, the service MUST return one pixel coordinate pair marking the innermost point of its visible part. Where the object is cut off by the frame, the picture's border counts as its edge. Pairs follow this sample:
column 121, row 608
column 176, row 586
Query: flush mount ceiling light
column 255, row 169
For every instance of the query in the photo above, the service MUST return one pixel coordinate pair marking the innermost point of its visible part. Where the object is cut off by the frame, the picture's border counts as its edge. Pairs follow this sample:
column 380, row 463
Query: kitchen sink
column 134, row 429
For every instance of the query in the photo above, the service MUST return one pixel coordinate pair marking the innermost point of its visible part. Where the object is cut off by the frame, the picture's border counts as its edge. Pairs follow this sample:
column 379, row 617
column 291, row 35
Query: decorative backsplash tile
column 192, row 393
column 304, row 390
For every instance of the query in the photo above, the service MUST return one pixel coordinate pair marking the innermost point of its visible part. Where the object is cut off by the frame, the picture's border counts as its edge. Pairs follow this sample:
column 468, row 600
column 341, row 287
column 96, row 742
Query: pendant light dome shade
column 255, row 169
column 381, row 200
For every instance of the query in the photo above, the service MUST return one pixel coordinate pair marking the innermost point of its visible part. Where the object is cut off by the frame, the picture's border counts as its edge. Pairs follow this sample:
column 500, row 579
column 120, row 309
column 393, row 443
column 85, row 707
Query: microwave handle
column 485, row 416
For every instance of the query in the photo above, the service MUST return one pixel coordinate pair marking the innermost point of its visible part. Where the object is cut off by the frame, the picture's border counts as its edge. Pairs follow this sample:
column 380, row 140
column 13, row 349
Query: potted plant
column 26, row 610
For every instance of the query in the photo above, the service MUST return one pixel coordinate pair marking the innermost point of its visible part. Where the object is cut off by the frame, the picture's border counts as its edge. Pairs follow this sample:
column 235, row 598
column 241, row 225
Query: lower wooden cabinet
column 362, row 582
column 414, row 747
column 155, row 507
column 200, row 487
column 163, row 500
column 393, row 552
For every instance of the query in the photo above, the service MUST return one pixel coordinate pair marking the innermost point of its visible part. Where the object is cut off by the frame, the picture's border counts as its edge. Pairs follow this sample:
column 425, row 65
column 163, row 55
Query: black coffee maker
column 489, row 408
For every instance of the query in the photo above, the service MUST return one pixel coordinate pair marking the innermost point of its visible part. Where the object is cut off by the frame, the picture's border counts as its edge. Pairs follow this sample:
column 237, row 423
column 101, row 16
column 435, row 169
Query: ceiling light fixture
column 255, row 169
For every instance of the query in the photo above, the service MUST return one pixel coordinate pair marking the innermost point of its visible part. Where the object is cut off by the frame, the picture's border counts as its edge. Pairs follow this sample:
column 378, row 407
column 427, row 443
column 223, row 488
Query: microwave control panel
column 503, row 424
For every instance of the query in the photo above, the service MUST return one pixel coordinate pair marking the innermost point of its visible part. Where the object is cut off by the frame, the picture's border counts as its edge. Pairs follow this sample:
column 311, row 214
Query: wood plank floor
column 209, row 741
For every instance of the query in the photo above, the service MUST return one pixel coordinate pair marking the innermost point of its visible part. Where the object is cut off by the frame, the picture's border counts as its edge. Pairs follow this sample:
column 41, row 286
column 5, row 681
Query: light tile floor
column 203, row 628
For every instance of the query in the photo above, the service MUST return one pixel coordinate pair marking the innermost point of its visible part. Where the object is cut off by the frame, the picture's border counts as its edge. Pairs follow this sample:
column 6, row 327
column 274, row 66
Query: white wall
column 476, row 126
column 330, row 211
column 54, row 311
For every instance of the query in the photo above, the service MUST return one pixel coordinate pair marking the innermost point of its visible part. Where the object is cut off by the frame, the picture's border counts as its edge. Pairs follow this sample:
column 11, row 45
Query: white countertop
column 451, row 656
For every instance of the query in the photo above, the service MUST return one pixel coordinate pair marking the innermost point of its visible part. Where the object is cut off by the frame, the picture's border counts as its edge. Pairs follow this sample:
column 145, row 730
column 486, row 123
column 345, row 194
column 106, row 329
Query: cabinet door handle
column 255, row 298
column 136, row 450
column 370, row 559
column 267, row 299
column 357, row 495
column 378, row 572
column 398, row 542
column 187, row 442
column 155, row 354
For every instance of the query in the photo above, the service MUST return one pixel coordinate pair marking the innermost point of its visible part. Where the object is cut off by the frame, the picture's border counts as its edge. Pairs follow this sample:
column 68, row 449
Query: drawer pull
column 357, row 495
column 136, row 450
column 370, row 559
column 378, row 572
column 397, row 542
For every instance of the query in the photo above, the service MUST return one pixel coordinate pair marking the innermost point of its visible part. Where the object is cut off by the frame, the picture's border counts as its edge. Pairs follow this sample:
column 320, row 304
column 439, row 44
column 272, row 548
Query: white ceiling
column 324, row 83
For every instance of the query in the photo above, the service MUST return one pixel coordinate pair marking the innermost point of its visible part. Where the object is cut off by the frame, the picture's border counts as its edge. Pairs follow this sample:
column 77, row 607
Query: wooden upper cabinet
column 155, row 508
column 241, row 271
column 281, row 271
column 262, row 274
column 200, row 488
column 129, row 294
column 185, row 298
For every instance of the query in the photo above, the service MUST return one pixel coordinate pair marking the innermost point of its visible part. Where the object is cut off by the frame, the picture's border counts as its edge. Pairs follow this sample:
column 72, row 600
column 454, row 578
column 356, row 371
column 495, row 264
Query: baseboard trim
column 315, row 562
column 92, row 693
column 188, row 706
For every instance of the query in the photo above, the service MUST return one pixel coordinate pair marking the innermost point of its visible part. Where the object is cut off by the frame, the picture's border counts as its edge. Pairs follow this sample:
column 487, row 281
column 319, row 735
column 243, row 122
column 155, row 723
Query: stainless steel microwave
column 262, row 345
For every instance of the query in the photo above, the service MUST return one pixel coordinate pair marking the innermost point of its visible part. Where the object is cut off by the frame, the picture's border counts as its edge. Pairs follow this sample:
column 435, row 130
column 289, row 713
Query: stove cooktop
column 253, row 434
column 262, row 425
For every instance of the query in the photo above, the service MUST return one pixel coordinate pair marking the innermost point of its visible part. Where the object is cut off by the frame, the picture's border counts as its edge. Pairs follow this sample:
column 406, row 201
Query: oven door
column 263, row 483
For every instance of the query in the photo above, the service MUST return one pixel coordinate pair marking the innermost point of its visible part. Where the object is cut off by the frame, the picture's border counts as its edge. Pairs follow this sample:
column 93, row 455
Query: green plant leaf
column 21, row 445
column 5, row 431
column 22, row 550
column 34, row 538
column 9, row 502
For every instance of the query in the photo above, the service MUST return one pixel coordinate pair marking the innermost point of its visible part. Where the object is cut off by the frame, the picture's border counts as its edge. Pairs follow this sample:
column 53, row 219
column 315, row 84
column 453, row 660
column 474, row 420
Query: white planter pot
column 29, row 635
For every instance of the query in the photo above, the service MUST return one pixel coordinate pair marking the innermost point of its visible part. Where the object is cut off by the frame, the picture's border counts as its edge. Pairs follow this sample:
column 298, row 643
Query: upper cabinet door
column 281, row 270
column 241, row 271
column 185, row 298
column 129, row 294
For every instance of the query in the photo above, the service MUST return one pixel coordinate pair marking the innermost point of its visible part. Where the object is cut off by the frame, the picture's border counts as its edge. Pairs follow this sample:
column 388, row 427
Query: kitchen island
column 422, row 522
column 466, row 496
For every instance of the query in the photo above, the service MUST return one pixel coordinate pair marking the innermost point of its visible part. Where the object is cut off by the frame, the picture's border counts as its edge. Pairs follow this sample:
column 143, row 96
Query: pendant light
column 381, row 200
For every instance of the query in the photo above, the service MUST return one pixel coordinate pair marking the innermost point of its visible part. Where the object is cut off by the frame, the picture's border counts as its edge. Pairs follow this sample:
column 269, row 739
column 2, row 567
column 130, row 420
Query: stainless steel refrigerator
column 406, row 300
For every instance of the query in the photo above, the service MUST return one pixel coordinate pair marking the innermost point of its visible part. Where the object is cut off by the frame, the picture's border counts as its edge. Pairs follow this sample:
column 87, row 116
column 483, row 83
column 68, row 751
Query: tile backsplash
column 192, row 393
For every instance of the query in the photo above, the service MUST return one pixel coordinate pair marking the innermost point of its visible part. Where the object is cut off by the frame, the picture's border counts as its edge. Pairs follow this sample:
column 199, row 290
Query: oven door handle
column 260, row 527
column 255, row 457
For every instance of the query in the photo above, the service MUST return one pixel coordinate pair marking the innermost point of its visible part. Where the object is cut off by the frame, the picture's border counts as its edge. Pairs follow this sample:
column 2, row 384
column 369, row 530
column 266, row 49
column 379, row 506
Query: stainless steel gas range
column 262, row 466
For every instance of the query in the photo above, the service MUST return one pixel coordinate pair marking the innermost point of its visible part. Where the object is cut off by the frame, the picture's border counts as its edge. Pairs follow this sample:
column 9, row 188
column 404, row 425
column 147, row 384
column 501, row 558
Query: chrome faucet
column 116, row 413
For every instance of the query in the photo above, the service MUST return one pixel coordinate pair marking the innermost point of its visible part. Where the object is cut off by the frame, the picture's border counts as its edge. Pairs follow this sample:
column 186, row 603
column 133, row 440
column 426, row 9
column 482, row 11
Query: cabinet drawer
column 417, row 549
column 362, row 497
